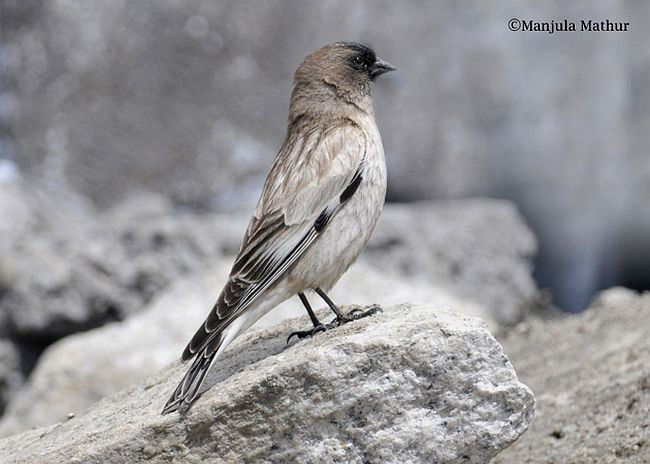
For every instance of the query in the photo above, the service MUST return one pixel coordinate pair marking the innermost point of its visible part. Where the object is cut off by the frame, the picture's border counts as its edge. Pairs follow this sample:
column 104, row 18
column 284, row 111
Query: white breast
column 349, row 230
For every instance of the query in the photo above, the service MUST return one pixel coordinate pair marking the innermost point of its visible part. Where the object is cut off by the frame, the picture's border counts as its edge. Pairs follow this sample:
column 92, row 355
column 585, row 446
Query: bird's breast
column 345, row 236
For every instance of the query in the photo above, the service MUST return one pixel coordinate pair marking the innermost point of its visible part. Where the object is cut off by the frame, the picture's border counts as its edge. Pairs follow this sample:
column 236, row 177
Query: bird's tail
column 187, row 392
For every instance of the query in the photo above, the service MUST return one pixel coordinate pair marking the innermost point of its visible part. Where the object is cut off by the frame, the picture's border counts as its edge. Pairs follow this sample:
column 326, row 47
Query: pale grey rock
column 414, row 384
column 480, row 248
column 591, row 377
column 11, row 377
column 49, row 285
column 26, row 214
column 65, row 269
column 76, row 272
column 79, row 370
column 54, row 289
column 28, row 208
column 16, row 213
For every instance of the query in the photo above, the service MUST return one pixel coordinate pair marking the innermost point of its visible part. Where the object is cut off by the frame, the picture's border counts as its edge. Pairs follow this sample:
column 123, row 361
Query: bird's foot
column 360, row 313
column 354, row 315
column 308, row 333
column 337, row 322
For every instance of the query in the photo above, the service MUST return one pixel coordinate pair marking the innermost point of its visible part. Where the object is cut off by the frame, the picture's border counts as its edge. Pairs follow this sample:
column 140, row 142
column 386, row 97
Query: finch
column 319, row 205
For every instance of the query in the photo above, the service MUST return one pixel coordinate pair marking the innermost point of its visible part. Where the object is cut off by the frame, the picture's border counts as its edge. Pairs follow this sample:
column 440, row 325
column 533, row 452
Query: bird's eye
column 358, row 59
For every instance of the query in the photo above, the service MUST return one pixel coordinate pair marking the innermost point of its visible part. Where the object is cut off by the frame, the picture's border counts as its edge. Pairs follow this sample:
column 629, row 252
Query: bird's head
column 346, row 67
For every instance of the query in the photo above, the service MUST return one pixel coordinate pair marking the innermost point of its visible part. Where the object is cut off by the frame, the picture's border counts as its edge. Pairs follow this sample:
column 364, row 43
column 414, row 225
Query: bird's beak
column 380, row 67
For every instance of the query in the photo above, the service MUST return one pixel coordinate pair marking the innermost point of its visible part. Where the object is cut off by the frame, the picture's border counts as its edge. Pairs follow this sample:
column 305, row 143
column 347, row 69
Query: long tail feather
column 187, row 391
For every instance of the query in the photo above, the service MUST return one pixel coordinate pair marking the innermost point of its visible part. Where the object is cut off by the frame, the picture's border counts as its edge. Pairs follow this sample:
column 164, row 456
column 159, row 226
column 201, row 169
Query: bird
column 319, row 205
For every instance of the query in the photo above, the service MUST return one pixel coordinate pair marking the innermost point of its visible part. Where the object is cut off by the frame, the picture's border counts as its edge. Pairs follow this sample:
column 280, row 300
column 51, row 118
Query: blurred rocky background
column 135, row 137
column 189, row 98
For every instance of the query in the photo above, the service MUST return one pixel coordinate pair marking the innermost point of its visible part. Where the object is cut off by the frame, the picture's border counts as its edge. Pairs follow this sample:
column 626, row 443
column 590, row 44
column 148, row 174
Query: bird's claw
column 307, row 333
column 359, row 313
column 339, row 321
column 355, row 314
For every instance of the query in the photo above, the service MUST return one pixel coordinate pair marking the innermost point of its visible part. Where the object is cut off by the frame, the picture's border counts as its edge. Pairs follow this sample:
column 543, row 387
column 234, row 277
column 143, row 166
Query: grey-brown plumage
column 319, row 205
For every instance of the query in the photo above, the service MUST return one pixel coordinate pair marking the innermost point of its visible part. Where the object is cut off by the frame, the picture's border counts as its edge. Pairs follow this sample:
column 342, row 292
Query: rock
column 45, row 282
column 11, row 377
column 57, row 281
column 416, row 383
column 149, row 222
column 591, row 377
column 14, row 205
column 79, row 370
column 29, row 280
column 481, row 249
column 35, row 208
column 65, row 269
column 54, row 289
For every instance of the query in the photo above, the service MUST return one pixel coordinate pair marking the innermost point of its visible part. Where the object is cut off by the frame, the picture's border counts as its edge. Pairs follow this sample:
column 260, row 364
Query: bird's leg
column 318, row 325
column 310, row 311
column 352, row 315
column 340, row 318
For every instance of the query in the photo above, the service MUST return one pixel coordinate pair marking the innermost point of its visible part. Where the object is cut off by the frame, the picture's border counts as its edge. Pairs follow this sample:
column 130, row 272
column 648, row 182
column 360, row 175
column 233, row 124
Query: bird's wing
column 314, row 174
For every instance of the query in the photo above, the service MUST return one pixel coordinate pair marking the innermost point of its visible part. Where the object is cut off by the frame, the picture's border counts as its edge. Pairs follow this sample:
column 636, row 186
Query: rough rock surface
column 81, row 369
column 415, row 383
column 591, row 377
column 480, row 248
